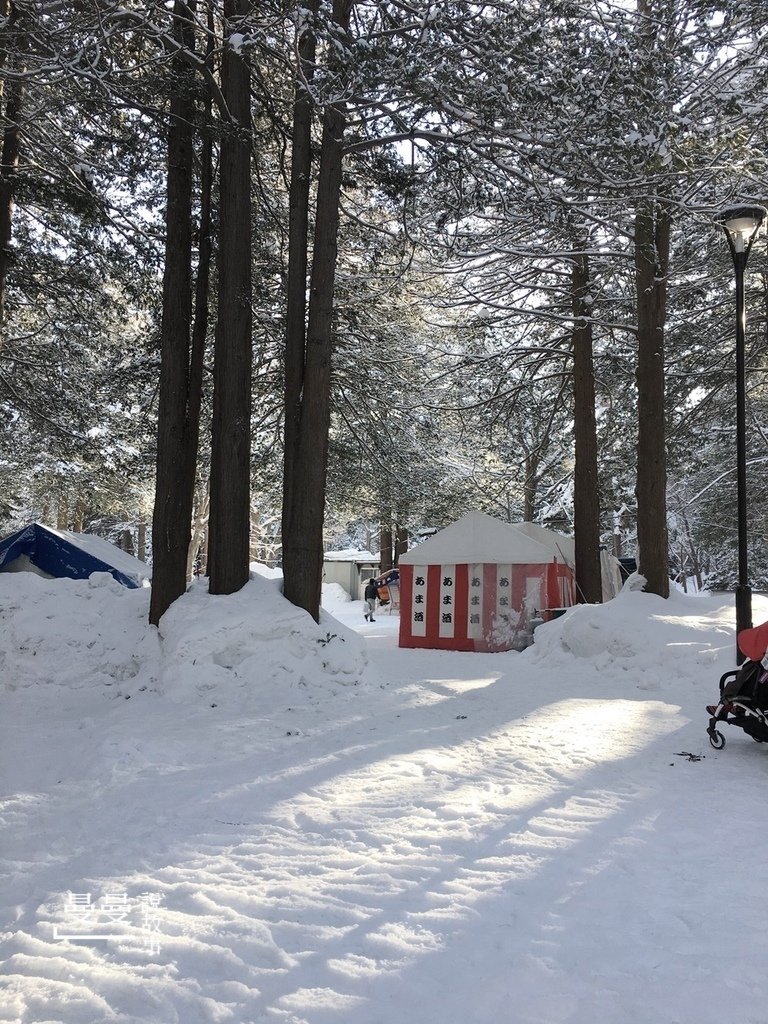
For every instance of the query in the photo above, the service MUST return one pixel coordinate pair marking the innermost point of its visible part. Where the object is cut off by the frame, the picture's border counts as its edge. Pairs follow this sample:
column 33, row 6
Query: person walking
column 370, row 600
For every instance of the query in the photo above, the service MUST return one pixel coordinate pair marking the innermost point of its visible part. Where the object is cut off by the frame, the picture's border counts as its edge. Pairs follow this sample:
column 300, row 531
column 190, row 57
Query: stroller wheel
column 716, row 739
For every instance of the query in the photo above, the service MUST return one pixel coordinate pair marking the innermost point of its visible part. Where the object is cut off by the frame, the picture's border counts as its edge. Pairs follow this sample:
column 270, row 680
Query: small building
column 350, row 569
column 58, row 554
column 481, row 584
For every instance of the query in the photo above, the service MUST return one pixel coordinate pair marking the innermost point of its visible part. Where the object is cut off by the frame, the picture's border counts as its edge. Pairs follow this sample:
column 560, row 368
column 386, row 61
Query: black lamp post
column 741, row 225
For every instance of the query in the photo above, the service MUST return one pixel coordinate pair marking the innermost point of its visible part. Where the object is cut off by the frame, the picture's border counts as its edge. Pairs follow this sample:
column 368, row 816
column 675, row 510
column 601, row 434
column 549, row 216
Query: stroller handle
column 726, row 677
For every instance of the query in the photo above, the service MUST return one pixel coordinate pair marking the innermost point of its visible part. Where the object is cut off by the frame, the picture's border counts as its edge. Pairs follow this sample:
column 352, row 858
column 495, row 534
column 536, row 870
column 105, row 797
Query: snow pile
column 75, row 633
column 334, row 595
column 638, row 634
column 253, row 646
column 94, row 634
column 266, row 570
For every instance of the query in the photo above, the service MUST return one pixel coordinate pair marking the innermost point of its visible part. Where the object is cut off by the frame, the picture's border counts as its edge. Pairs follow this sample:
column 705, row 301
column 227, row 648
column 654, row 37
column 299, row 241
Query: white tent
column 479, row 538
column 479, row 584
column 565, row 547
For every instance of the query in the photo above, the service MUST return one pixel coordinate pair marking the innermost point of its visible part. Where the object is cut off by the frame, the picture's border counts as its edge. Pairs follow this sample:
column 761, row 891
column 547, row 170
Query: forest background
column 281, row 277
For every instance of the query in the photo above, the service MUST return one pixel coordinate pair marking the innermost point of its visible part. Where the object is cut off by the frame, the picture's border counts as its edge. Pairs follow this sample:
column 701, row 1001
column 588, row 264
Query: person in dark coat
column 370, row 600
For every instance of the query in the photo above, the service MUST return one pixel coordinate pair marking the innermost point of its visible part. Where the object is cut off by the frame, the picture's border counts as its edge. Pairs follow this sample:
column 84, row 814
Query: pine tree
column 308, row 367
column 229, row 525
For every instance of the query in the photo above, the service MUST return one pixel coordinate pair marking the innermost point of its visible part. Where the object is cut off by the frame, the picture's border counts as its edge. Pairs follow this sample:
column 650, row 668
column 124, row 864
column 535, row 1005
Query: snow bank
column 266, row 570
column 241, row 646
column 638, row 634
column 334, row 595
column 94, row 634
column 75, row 633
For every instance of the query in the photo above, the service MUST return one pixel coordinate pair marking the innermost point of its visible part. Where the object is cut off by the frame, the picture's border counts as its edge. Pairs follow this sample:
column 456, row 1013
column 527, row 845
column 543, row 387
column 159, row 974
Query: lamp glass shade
column 742, row 225
column 741, row 222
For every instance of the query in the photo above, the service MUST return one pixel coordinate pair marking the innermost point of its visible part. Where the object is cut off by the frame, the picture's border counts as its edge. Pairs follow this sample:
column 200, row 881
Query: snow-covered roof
column 349, row 555
column 478, row 538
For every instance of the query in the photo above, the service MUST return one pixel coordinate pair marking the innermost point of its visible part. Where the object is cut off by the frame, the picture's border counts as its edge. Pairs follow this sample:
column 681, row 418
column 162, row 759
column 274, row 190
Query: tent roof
column 478, row 538
column 74, row 555
column 108, row 552
column 560, row 545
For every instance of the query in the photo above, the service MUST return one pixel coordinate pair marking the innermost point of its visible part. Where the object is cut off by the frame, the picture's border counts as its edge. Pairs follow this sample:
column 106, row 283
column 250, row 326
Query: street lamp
column 741, row 225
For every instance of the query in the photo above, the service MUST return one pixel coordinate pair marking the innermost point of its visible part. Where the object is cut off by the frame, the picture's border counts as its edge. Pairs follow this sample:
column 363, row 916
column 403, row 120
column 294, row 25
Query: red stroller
column 744, row 691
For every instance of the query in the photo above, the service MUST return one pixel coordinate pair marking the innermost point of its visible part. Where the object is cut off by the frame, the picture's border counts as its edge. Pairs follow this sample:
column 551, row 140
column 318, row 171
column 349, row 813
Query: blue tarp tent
column 71, row 555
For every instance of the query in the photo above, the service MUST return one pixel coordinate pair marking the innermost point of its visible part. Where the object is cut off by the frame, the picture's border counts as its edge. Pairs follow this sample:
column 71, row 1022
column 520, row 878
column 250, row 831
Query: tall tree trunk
column 385, row 544
column 79, row 516
column 202, row 287
column 172, row 520
column 401, row 543
column 199, row 527
column 298, row 260
column 619, row 517
column 229, row 526
column 652, row 234
column 530, row 486
column 200, row 324
column 586, row 494
column 13, row 96
column 303, row 527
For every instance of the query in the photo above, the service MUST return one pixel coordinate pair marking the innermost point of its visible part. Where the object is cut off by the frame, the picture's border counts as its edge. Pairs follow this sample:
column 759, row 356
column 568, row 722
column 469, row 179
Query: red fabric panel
column 557, row 571
column 490, row 597
column 461, row 604
column 434, row 579
column 754, row 642
column 518, row 583
column 437, row 643
column 406, row 597
column 564, row 573
column 553, row 591
column 551, row 573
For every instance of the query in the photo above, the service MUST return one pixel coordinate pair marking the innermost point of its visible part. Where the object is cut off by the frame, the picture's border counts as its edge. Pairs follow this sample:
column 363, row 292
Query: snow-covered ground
column 258, row 820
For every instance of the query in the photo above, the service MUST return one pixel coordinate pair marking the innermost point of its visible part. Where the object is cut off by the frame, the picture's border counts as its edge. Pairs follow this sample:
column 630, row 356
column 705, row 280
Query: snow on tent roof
column 478, row 538
column 74, row 555
column 558, row 543
column 108, row 552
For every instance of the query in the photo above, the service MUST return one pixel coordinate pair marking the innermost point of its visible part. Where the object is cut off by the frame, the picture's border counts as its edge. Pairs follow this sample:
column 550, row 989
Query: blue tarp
column 54, row 554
